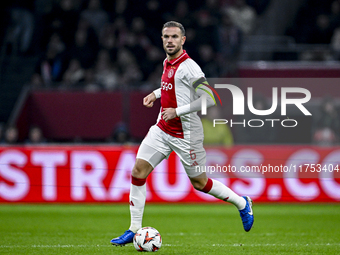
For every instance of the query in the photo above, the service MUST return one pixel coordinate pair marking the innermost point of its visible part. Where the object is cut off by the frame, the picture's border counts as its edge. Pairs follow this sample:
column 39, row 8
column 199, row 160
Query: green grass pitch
column 185, row 229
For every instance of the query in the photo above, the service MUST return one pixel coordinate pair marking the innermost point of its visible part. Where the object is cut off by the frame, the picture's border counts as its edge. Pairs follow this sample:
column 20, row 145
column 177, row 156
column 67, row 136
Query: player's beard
column 177, row 49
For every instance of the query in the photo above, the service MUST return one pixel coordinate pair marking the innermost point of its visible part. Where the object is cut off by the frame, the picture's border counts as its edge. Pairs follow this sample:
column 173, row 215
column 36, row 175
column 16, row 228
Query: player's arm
column 201, row 87
column 149, row 99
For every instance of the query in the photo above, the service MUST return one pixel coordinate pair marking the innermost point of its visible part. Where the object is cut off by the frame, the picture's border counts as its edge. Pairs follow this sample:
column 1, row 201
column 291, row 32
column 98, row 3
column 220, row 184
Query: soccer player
column 178, row 129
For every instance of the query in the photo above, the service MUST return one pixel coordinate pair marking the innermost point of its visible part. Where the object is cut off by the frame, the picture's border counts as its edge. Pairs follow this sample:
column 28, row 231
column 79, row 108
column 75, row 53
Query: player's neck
column 171, row 57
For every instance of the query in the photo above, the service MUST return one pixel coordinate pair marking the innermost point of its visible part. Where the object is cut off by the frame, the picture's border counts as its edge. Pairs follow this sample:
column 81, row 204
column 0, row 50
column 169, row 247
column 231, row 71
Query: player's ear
column 183, row 39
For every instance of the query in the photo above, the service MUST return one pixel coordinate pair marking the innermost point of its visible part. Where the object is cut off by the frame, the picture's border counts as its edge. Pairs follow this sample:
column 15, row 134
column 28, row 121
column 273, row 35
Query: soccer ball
column 147, row 239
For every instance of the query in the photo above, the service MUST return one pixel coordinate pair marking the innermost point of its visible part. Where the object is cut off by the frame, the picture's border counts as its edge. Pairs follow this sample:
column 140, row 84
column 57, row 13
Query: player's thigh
column 192, row 155
column 156, row 139
column 150, row 153
column 147, row 158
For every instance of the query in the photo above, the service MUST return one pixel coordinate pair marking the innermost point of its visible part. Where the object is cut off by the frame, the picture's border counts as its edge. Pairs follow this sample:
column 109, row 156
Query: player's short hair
column 174, row 24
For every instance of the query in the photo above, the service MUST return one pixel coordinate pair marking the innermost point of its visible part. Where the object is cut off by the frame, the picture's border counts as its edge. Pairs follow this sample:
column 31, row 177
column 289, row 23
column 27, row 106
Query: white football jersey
column 178, row 91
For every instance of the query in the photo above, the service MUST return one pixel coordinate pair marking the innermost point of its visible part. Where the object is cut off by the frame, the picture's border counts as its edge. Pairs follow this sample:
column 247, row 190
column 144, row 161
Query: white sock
column 219, row 190
column 137, row 204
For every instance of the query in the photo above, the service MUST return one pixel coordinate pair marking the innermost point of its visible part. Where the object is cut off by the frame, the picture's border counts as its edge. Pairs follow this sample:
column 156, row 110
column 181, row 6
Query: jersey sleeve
column 195, row 78
column 158, row 92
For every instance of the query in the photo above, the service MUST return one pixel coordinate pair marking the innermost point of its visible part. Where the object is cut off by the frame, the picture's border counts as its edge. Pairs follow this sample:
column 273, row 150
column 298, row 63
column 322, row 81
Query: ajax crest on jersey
column 147, row 239
column 171, row 73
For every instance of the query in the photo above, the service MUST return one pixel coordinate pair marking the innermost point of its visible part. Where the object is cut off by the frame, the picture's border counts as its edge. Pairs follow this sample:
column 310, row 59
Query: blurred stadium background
column 110, row 53
column 73, row 74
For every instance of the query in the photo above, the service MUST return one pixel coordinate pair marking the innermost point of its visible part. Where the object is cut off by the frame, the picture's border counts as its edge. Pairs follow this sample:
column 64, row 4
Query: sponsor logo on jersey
column 166, row 86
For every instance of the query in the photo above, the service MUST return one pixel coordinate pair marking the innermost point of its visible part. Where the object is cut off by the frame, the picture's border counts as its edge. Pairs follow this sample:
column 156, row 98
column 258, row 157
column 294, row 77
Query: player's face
column 173, row 40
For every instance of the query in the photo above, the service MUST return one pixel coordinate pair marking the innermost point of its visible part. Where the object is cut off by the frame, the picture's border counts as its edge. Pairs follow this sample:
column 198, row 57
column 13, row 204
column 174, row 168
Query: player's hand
column 149, row 99
column 169, row 114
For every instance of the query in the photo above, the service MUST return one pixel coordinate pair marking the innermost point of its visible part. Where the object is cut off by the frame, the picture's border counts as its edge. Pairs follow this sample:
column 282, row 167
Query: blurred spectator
column 154, row 58
column 85, row 45
column 122, row 9
column 120, row 134
column 335, row 43
column 35, row 136
column 125, row 58
column 11, row 135
column 213, row 7
column 335, row 23
column 132, row 76
column 191, row 45
column 142, row 35
column 108, row 40
column 315, row 19
column 42, row 10
column 104, row 72
column 153, row 15
column 129, row 68
column 206, row 28
column 73, row 75
column 153, row 81
column 327, row 124
column 43, row 7
column 218, row 135
column 182, row 14
column 51, row 66
column 321, row 31
column 316, row 55
column 90, row 82
column 96, row 16
column 229, row 46
column 207, row 61
column 122, row 31
column 20, row 30
column 36, row 81
column 134, row 45
column 63, row 19
column 243, row 16
column 335, row 14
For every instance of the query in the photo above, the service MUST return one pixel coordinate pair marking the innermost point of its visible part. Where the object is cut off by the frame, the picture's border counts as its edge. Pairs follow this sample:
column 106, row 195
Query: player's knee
column 138, row 172
column 141, row 169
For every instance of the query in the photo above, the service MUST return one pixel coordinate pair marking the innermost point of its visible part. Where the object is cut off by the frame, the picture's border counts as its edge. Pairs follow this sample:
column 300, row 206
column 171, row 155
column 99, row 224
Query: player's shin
column 137, row 202
column 219, row 190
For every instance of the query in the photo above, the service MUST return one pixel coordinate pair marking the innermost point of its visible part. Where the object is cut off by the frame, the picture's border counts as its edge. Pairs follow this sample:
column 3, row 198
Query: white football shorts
column 157, row 145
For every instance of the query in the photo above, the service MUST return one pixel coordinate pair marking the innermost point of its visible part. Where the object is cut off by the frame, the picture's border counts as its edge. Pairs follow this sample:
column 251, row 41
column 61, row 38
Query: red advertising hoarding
column 102, row 174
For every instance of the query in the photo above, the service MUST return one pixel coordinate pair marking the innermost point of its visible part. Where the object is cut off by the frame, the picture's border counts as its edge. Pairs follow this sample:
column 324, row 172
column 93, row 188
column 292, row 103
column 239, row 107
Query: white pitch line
column 51, row 246
column 171, row 245
column 234, row 234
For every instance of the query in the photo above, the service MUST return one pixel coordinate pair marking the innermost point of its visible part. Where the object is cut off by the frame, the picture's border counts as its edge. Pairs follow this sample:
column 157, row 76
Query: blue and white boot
column 125, row 238
column 247, row 214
